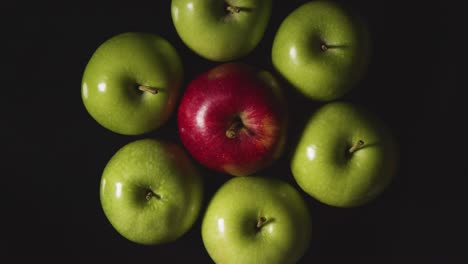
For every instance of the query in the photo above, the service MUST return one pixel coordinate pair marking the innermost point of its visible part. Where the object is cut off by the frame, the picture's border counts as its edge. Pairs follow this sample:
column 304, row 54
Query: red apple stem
column 148, row 89
column 261, row 222
column 150, row 194
column 232, row 131
column 233, row 9
column 356, row 146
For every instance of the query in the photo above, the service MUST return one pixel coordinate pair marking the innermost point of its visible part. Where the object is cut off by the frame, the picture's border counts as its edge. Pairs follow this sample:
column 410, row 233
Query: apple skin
column 298, row 56
column 323, row 166
column 113, row 74
column 216, row 34
column 229, row 226
column 166, row 170
column 229, row 94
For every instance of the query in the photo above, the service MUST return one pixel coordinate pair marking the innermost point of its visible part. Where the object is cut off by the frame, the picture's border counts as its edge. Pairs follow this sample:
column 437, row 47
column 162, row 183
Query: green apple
column 345, row 157
column 131, row 83
column 151, row 192
column 322, row 49
column 256, row 220
column 221, row 30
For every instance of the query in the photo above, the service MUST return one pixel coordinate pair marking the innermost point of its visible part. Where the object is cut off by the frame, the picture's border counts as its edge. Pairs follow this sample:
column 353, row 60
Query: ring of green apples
column 233, row 119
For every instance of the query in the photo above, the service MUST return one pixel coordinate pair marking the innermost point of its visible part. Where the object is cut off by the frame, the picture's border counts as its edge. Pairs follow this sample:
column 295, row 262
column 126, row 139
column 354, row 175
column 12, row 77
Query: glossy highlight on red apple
column 232, row 119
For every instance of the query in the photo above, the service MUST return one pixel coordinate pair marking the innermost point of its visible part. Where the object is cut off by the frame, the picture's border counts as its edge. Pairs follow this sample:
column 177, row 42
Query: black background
column 55, row 152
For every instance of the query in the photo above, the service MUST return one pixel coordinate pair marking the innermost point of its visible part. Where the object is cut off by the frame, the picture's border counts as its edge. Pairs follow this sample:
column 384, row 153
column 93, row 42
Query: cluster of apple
column 232, row 119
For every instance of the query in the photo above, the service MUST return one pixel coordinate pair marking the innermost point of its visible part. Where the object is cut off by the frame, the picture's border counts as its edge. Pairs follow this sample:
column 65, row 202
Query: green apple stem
column 233, row 9
column 150, row 194
column 356, row 146
column 261, row 222
column 148, row 89
column 232, row 131
column 326, row 47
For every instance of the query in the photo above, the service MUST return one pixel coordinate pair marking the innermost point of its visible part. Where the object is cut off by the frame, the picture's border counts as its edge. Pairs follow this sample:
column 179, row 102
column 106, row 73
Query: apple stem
column 148, row 89
column 261, row 222
column 325, row 47
column 231, row 132
column 233, row 9
column 150, row 194
column 356, row 146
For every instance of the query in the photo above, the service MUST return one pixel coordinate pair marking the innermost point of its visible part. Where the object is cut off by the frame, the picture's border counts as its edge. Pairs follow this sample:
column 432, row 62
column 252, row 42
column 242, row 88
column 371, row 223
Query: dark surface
column 55, row 152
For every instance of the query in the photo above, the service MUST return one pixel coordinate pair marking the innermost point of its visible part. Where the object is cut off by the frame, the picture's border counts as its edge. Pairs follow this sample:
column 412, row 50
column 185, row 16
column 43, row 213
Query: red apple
column 232, row 119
